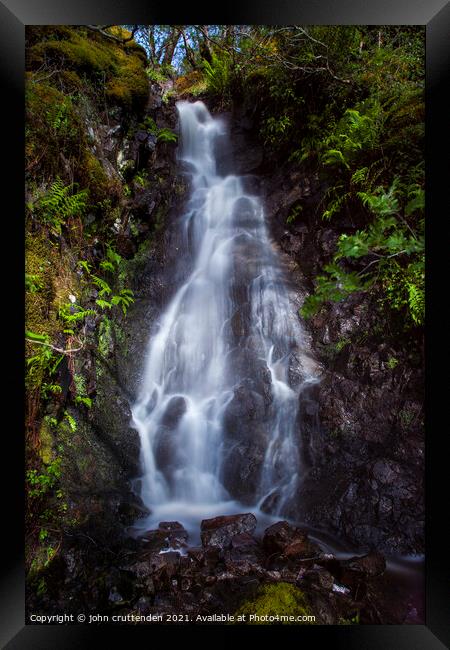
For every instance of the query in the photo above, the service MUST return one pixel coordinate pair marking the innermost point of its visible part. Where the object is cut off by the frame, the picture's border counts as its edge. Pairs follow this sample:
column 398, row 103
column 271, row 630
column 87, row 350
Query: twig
column 381, row 257
column 56, row 349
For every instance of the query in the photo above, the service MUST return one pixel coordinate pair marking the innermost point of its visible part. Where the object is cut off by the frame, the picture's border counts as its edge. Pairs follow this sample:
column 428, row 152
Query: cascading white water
column 191, row 374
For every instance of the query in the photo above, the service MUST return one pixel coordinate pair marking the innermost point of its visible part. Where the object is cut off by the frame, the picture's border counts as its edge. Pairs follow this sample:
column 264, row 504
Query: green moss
column 281, row 599
column 80, row 384
column 105, row 337
column 92, row 176
column 70, row 81
column 120, row 70
column 194, row 83
column 129, row 87
column 75, row 52
column 40, row 260
column 46, row 441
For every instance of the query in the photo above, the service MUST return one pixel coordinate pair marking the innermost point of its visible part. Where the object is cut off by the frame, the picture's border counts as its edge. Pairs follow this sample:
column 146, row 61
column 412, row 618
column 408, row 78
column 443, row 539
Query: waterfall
column 229, row 340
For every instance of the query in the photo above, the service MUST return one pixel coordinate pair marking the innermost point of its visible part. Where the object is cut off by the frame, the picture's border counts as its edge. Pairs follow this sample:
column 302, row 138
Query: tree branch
column 122, row 41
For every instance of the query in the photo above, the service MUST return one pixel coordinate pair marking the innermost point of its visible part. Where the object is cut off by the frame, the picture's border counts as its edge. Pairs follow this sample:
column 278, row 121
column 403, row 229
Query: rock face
column 101, row 458
column 362, row 426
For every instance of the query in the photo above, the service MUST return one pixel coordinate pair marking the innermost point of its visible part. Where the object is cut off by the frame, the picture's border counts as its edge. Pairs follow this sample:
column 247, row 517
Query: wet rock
column 244, row 550
column 301, row 548
column 283, row 538
column 154, row 539
column 244, row 543
column 318, row 578
column 175, row 410
column 143, row 605
column 165, row 447
column 202, row 557
column 220, row 531
column 141, row 569
column 131, row 509
column 115, row 597
column 196, row 554
column 370, row 565
column 164, row 564
column 291, row 243
column 386, row 471
column 239, row 324
column 242, row 466
column 176, row 535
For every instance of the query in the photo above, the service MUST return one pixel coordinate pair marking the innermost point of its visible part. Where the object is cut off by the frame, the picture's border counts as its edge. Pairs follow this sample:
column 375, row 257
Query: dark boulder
column 284, row 539
column 220, row 531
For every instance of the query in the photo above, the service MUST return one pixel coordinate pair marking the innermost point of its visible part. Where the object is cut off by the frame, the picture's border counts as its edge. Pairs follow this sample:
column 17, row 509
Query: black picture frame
column 14, row 15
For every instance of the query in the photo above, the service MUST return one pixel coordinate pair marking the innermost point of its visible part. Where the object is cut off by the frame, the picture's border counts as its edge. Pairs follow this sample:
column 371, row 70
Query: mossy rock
column 282, row 599
column 129, row 87
column 77, row 53
column 118, row 71
column 93, row 177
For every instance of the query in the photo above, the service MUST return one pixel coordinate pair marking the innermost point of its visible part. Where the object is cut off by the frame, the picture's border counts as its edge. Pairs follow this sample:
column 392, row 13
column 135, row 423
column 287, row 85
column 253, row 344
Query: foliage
column 71, row 421
column 163, row 135
column 41, row 483
column 87, row 401
column 58, row 204
column 43, row 364
column 361, row 130
column 217, row 75
column 392, row 251
column 33, row 282
column 167, row 135
column 53, row 125
column 156, row 75
column 124, row 299
column 294, row 213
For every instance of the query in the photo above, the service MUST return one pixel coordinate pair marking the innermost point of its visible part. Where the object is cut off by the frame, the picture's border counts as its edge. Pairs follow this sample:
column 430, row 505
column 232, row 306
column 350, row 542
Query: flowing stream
column 227, row 354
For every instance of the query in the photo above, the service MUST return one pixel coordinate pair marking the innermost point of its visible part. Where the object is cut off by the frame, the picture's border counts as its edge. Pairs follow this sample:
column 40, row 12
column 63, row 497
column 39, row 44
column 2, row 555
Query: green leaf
column 417, row 202
column 85, row 265
column 102, row 285
column 107, row 266
column 84, row 400
column 334, row 157
column 104, row 304
column 167, row 135
column 44, row 338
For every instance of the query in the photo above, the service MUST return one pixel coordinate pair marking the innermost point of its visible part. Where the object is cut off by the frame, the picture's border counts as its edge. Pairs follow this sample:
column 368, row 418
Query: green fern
column 217, row 74
column 87, row 401
column 72, row 314
column 104, row 287
column 106, row 265
column 58, row 204
column 167, row 135
column 416, row 302
column 124, row 300
column 360, row 176
column 103, row 304
column 71, row 421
